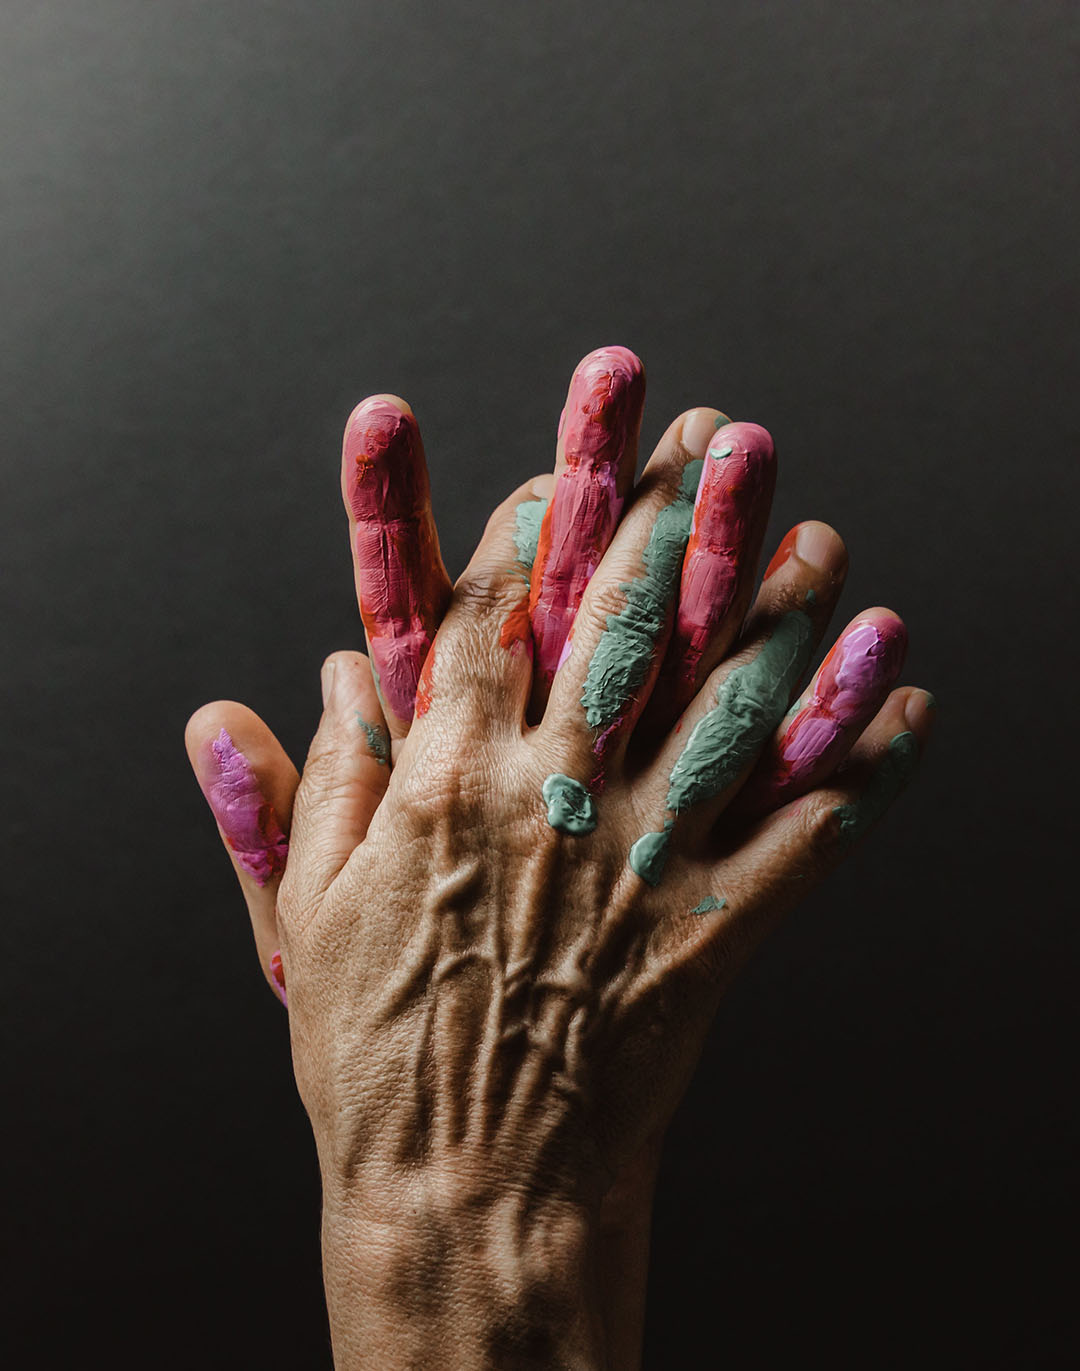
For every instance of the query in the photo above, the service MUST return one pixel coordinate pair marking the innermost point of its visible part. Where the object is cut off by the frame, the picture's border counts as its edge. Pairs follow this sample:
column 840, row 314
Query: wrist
column 446, row 1276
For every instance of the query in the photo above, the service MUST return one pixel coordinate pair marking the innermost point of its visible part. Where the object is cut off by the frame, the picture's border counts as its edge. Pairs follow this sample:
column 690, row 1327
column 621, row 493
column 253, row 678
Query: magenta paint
column 598, row 427
column 246, row 817
column 847, row 692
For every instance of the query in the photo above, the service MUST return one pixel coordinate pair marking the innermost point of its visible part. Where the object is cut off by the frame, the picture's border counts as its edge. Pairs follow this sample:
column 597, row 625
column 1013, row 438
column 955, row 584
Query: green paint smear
column 621, row 659
column 750, row 702
column 378, row 740
column 811, row 598
column 570, row 807
column 724, row 452
column 722, row 421
column 892, row 774
column 527, row 520
column 708, row 905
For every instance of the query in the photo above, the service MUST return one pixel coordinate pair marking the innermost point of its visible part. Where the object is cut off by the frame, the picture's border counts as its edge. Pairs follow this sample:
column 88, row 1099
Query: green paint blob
column 527, row 520
column 750, row 702
column 570, row 807
column 892, row 774
column 724, row 452
column 378, row 740
column 649, row 854
column 708, row 905
column 811, row 597
column 722, row 421
column 621, row 659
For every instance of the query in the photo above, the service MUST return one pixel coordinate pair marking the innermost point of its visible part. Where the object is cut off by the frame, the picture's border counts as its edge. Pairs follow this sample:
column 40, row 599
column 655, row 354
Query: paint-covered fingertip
column 383, row 472
column 742, row 439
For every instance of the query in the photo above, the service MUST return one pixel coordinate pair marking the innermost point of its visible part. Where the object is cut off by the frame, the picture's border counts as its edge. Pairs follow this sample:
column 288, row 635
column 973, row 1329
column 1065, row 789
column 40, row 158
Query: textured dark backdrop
column 223, row 224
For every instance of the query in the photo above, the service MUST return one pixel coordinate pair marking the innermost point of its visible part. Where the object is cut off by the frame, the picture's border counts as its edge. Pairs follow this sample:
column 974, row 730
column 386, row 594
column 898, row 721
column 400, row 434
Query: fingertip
column 920, row 712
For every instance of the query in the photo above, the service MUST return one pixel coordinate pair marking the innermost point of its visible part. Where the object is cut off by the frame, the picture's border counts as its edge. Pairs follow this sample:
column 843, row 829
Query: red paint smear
column 730, row 513
column 277, row 975
column 517, row 628
column 599, row 424
column 783, row 552
column 423, row 685
column 402, row 586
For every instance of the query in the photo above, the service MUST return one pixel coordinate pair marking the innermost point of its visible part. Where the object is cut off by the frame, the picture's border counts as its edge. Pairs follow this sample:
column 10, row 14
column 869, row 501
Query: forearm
column 463, row 1282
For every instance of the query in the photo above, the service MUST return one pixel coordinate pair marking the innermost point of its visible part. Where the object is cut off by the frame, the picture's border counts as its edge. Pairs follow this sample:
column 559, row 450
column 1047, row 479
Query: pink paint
column 598, row 427
column 730, row 513
column 401, row 584
column 277, row 976
column 854, row 679
column 246, row 817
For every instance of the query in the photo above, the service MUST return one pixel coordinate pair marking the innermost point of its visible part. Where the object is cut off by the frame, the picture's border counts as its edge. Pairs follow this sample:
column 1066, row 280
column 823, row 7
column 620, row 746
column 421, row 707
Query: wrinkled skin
column 492, row 1021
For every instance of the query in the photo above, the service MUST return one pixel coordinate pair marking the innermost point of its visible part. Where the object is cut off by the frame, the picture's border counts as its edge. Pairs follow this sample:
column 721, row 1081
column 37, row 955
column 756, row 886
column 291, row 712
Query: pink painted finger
column 401, row 583
column 596, row 456
column 249, row 784
column 730, row 513
column 848, row 690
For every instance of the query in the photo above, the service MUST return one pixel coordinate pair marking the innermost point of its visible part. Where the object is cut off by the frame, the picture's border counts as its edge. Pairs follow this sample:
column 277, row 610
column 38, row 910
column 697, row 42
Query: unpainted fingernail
column 326, row 677
column 918, row 705
column 699, row 429
column 818, row 546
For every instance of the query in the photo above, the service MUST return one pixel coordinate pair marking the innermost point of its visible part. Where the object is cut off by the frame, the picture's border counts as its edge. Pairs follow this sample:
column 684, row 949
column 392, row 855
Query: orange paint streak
column 516, row 631
column 423, row 685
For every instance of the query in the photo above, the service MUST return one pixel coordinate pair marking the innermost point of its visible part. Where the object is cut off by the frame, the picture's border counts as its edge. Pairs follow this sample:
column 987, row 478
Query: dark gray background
column 225, row 223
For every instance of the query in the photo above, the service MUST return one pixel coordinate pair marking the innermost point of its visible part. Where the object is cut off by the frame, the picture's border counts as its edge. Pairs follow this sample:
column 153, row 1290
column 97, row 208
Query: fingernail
column 919, row 704
column 698, row 431
column 326, row 677
column 277, row 975
column 817, row 546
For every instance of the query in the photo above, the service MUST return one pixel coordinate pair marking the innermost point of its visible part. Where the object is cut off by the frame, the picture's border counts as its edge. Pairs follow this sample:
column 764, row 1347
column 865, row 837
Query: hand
column 644, row 947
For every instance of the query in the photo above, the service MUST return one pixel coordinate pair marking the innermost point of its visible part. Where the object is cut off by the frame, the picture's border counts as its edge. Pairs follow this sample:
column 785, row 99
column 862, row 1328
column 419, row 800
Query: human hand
column 669, row 948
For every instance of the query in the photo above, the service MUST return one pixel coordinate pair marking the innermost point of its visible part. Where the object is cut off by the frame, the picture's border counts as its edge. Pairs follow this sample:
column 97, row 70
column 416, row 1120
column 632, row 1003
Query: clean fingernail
column 918, row 705
column 817, row 545
column 326, row 677
column 699, row 429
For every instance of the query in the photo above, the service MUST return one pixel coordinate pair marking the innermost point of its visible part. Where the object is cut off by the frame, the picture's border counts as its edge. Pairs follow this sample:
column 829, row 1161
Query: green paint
column 649, row 854
column 527, row 520
column 621, row 659
column 750, row 702
column 378, row 740
column 570, row 807
column 811, row 598
column 708, row 905
column 722, row 420
column 893, row 773
column 724, row 452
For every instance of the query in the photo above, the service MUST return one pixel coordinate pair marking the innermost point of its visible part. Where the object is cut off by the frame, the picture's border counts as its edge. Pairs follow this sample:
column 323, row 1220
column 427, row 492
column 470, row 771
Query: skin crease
column 542, row 1236
column 598, row 423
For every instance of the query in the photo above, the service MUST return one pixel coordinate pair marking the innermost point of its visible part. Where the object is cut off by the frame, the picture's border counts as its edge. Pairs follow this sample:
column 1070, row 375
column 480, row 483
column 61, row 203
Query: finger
column 848, row 690
column 480, row 667
column 730, row 514
column 345, row 776
column 401, row 584
column 724, row 729
column 757, row 876
column 624, row 619
column 249, row 784
column 596, row 455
